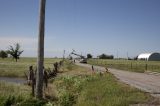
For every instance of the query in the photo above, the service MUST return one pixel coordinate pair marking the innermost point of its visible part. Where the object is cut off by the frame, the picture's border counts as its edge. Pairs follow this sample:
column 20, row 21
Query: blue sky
column 88, row 26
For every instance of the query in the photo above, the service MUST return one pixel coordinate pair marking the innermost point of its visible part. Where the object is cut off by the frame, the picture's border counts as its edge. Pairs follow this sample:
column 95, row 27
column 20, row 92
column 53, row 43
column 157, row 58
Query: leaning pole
column 40, row 58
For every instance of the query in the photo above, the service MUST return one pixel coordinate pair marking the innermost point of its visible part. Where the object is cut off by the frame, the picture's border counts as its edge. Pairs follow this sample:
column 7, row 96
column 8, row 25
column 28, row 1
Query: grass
column 18, row 95
column 13, row 93
column 129, row 65
column 10, row 68
column 94, row 90
column 74, row 85
column 107, row 91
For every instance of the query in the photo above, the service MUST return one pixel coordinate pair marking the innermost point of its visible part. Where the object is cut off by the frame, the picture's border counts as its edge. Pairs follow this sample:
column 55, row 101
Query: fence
column 130, row 65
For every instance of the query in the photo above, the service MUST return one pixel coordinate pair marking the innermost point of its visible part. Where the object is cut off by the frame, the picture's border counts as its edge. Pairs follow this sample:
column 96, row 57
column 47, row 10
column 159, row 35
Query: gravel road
column 145, row 82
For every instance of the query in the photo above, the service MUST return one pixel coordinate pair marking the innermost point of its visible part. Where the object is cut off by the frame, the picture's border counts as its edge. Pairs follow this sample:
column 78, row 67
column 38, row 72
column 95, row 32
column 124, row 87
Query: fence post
column 131, row 65
column 33, row 86
column 146, row 66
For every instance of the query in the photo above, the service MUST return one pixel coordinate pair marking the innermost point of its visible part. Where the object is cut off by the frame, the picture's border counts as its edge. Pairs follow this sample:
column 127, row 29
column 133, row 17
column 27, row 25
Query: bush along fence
column 47, row 74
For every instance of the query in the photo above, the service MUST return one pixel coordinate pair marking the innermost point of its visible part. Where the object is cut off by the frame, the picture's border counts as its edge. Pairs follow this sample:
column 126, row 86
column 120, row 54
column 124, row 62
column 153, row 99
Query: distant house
column 149, row 56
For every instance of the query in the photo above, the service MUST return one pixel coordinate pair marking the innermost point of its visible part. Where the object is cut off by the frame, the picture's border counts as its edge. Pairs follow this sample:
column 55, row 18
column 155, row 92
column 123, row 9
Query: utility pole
column 64, row 54
column 117, row 54
column 40, row 59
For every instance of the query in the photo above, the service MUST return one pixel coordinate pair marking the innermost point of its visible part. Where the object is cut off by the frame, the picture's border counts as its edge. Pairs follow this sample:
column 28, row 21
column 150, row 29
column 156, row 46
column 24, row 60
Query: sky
column 114, row 27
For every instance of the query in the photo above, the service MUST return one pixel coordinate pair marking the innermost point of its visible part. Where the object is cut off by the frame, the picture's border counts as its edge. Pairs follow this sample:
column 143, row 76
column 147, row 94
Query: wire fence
column 129, row 65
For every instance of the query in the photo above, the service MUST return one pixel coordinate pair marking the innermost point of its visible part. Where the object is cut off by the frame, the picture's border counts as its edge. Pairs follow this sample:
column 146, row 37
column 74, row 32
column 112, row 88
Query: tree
column 136, row 58
column 15, row 52
column 89, row 56
column 40, row 59
column 3, row 54
column 104, row 56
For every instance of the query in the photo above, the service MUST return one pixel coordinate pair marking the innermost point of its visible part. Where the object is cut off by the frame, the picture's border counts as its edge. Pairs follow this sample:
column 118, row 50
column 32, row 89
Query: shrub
column 32, row 102
column 67, row 99
column 89, row 56
column 69, row 88
column 9, row 101
column 3, row 54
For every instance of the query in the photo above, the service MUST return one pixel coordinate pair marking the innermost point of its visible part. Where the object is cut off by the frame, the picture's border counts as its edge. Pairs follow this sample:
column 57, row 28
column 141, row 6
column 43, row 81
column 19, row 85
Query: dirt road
column 146, row 82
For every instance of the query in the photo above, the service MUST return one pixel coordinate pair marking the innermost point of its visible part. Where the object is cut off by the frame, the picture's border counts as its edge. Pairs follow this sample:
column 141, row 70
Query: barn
column 149, row 56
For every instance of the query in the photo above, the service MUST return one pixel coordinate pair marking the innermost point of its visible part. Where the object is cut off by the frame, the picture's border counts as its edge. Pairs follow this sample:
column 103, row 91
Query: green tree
column 15, row 52
column 3, row 54
column 89, row 56
column 104, row 56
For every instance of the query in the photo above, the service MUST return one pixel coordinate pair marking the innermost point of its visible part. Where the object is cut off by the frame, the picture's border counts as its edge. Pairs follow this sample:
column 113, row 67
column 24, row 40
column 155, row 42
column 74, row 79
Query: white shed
column 149, row 56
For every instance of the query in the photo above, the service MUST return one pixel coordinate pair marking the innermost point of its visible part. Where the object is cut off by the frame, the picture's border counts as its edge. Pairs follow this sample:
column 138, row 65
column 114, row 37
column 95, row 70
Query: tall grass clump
column 11, row 94
column 69, row 88
column 17, row 95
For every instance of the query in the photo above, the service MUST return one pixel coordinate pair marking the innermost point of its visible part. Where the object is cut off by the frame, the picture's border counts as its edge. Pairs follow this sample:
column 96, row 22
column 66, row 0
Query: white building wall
column 149, row 56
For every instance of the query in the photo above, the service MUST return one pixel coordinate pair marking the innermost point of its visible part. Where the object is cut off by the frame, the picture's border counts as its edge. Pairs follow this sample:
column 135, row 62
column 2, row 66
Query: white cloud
column 26, row 42
column 29, row 45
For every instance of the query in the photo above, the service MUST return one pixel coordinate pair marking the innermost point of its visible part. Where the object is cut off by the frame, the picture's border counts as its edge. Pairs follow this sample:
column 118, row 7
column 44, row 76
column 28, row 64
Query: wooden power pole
column 40, row 59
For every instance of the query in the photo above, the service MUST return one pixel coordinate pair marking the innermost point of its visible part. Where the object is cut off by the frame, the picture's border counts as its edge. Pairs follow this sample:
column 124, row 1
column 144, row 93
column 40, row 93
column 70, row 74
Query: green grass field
column 10, row 68
column 74, row 85
column 129, row 65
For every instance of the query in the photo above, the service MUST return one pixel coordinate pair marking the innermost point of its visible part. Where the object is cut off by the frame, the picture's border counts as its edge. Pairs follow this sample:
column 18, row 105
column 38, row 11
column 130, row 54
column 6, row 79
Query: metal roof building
column 149, row 56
